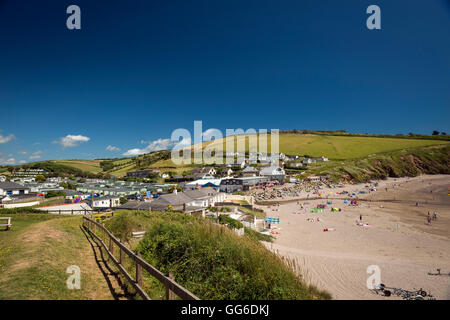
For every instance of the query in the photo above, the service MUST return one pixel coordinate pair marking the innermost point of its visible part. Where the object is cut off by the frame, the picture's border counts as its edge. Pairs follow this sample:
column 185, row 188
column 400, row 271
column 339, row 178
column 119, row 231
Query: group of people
column 431, row 217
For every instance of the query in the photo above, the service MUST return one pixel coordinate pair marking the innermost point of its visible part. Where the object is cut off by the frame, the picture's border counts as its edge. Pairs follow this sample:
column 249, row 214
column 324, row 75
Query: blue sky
column 137, row 70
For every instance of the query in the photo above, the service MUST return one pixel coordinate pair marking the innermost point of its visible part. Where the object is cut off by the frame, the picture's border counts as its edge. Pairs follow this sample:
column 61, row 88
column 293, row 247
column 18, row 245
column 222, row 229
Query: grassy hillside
column 399, row 163
column 337, row 147
column 211, row 260
column 84, row 165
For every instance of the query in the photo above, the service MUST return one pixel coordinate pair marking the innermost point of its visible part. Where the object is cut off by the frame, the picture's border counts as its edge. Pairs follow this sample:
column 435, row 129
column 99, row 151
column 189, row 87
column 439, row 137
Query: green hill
column 338, row 146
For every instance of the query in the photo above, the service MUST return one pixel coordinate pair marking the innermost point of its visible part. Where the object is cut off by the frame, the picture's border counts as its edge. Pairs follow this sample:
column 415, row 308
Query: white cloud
column 156, row 145
column 6, row 139
column 112, row 148
column 36, row 155
column 72, row 140
column 8, row 161
column 22, row 161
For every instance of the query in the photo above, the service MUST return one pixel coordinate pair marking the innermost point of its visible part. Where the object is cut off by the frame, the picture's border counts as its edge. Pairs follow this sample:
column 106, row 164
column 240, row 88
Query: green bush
column 232, row 223
column 20, row 210
column 53, row 193
column 215, row 263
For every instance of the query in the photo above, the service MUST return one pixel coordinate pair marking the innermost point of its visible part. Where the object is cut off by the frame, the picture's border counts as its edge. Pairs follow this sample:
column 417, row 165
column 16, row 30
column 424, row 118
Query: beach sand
column 398, row 240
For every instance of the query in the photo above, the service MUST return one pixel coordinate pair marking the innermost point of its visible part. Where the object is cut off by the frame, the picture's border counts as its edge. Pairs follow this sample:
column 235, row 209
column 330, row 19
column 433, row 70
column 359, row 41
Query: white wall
column 20, row 205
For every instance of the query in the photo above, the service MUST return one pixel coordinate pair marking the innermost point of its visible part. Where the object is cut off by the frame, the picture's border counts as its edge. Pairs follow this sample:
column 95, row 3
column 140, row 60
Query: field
column 340, row 147
column 84, row 165
column 122, row 171
column 346, row 153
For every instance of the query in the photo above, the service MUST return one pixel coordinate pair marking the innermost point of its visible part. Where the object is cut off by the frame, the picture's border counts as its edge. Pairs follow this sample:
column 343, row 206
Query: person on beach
column 435, row 215
column 429, row 218
column 360, row 217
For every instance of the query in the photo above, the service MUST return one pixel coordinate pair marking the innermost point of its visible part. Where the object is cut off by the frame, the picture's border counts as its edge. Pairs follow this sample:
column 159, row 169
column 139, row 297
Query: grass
column 122, row 171
column 338, row 147
column 35, row 254
column 211, row 260
column 84, row 165
column 398, row 163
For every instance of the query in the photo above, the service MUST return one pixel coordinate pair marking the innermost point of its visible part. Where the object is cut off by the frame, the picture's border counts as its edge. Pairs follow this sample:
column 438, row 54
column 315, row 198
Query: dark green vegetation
column 54, row 193
column 211, row 260
column 232, row 223
column 5, row 212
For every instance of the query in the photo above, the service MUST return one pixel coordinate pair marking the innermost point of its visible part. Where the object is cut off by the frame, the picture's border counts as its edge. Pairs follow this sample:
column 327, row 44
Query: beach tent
column 316, row 210
column 334, row 209
column 345, row 201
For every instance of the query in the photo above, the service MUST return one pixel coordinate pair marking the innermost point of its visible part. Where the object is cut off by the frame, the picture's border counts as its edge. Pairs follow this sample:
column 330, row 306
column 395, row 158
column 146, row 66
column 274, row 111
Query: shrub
column 53, row 193
column 20, row 210
column 215, row 263
column 232, row 223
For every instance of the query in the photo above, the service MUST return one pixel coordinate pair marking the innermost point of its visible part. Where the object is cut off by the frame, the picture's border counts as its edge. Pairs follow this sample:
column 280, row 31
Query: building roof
column 172, row 199
column 12, row 186
column 202, row 182
column 272, row 170
column 136, row 205
column 250, row 169
column 198, row 194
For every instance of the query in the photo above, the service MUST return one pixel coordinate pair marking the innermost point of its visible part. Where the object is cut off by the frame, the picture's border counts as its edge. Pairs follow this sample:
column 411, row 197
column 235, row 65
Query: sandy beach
column 396, row 237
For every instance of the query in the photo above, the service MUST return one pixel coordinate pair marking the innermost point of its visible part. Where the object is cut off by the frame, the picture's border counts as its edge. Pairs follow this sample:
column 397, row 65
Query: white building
column 273, row 173
column 104, row 202
column 308, row 161
column 12, row 189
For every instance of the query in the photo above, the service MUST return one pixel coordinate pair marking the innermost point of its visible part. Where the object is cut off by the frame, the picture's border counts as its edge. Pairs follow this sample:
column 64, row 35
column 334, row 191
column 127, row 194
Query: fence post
column 121, row 253
column 138, row 272
column 169, row 293
column 72, row 211
column 111, row 246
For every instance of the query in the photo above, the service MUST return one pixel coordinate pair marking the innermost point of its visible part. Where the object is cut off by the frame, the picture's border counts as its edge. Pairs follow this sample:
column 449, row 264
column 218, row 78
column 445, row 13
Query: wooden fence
column 171, row 286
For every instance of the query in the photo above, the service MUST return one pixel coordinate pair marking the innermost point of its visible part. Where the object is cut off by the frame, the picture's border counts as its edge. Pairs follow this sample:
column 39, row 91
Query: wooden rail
column 171, row 286
column 7, row 224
